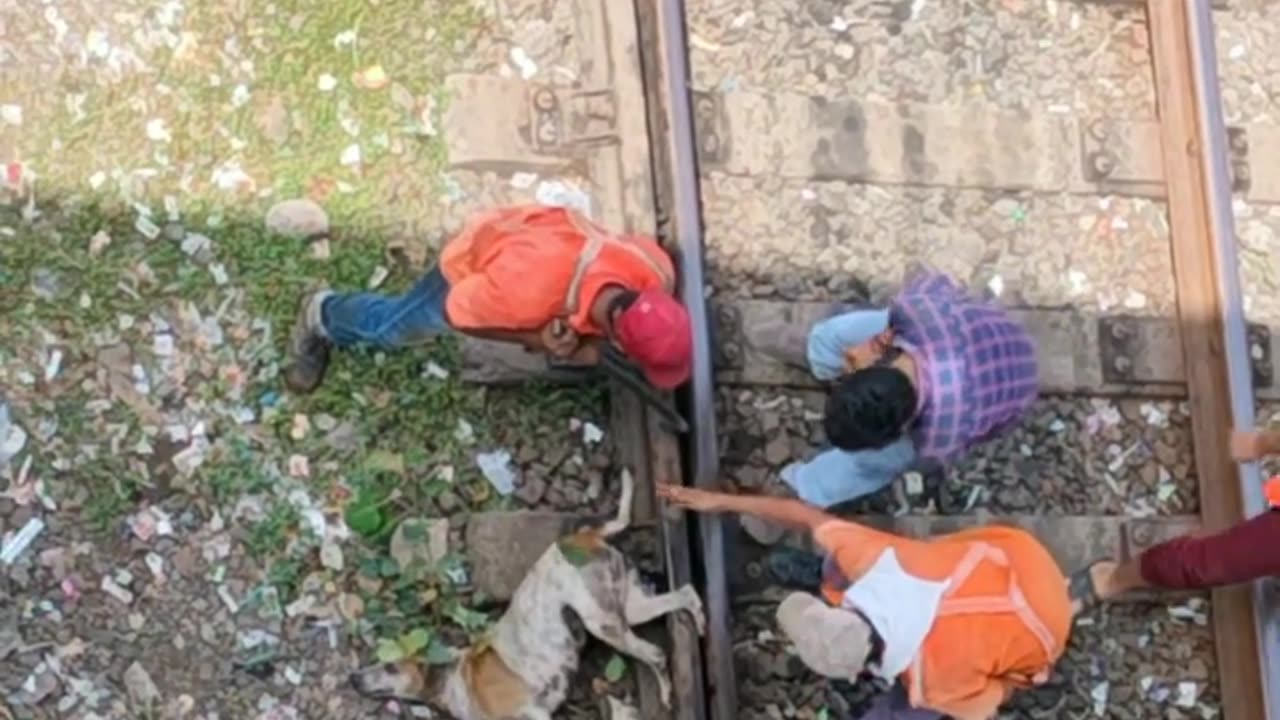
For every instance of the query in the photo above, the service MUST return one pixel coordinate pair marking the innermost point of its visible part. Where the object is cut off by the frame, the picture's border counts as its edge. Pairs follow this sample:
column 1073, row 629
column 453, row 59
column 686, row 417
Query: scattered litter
column 703, row 44
column 464, row 433
column 155, row 564
column 975, row 494
column 11, row 114
column 996, row 285
column 149, row 229
column 525, row 64
column 21, row 540
column 326, row 82
column 343, row 39
column 523, row 180
column 230, row 177
column 496, row 467
column 1057, row 426
column 1135, row 300
column 299, row 466
column 1187, row 692
column 350, row 156
column 195, row 244
column 301, row 426
column 12, row 437
column 98, row 243
column 591, row 433
column 434, row 370
column 839, row 24
column 320, row 249
column 913, row 482
column 157, row 131
column 844, row 51
column 225, row 595
column 292, row 676
column 52, row 367
column 379, row 276
column 331, row 556
column 371, row 78
column 112, row 588
column 1154, row 415
column 1190, row 612
column 563, row 194
column 1099, row 694
column 240, row 95
column 150, row 522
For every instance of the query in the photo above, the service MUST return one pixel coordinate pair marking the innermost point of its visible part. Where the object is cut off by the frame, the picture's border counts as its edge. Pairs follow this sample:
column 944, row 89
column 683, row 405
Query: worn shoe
column 795, row 568
column 309, row 347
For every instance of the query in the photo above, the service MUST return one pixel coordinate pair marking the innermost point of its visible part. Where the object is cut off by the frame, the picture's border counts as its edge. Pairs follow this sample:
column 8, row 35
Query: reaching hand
column 1250, row 445
column 691, row 498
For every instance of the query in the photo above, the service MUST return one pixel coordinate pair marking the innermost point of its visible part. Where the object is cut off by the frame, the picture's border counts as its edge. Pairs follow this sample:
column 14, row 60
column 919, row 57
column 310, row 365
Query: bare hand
column 558, row 339
column 1248, row 445
column 691, row 498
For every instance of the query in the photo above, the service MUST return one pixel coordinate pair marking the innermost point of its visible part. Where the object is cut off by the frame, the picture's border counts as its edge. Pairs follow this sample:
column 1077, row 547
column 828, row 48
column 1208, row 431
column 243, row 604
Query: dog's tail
column 620, row 523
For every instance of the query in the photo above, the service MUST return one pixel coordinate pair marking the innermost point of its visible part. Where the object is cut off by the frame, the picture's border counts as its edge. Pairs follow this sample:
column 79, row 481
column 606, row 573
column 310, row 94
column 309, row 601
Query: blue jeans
column 388, row 321
column 836, row 476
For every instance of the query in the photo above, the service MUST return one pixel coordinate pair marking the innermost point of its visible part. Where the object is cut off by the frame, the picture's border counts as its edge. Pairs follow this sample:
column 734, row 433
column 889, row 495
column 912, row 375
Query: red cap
column 654, row 332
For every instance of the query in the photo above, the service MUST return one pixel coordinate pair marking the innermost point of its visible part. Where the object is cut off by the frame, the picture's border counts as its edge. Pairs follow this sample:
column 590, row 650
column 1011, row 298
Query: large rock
column 502, row 546
column 298, row 218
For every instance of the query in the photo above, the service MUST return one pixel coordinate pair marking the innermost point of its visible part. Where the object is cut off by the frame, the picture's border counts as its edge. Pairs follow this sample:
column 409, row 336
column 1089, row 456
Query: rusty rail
column 1214, row 153
column 664, row 54
column 1215, row 349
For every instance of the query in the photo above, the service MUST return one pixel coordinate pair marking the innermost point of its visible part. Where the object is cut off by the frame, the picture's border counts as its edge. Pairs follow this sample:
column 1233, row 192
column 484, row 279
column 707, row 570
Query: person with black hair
column 914, row 386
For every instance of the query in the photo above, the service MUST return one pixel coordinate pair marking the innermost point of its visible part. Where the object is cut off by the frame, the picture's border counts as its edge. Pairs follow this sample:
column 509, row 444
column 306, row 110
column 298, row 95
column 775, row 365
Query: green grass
column 279, row 56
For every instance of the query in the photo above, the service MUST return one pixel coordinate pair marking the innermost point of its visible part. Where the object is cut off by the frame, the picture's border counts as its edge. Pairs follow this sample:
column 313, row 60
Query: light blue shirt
column 836, row 475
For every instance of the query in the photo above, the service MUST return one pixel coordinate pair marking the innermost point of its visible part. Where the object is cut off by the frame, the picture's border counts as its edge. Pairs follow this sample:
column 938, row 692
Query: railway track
column 764, row 193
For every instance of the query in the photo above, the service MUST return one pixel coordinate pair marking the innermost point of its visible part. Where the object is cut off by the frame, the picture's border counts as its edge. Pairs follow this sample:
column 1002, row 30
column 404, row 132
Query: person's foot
column 1091, row 586
column 795, row 568
column 308, row 346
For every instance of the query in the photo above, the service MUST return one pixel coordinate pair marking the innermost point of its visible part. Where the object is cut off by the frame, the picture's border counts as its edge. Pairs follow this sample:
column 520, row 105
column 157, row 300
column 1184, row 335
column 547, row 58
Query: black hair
column 869, row 408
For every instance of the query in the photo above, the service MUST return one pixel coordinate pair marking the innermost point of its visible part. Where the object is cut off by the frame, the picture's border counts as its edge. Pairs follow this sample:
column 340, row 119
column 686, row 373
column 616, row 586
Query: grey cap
column 831, row 641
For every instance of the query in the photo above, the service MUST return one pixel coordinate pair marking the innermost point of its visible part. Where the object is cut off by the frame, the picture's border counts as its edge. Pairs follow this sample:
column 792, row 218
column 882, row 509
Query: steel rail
column 1214, row 154
column 702, row 455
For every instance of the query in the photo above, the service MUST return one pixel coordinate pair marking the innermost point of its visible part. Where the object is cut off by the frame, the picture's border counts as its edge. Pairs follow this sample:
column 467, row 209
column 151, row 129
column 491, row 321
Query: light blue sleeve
column 837, row 476
column 830, row 338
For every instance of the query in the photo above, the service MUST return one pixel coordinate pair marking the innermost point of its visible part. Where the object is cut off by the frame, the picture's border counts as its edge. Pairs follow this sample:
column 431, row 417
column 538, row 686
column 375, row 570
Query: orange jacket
column 519, row 268
column 1002, row 623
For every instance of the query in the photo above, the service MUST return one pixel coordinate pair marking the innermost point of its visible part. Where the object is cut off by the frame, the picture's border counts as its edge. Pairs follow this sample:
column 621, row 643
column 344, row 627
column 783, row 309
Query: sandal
column 1082, row 589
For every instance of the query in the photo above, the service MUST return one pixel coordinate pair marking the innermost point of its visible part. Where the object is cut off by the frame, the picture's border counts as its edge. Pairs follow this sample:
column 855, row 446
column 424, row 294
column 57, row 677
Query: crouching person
column 545, row 277
column 915, row 386
column 956, row 623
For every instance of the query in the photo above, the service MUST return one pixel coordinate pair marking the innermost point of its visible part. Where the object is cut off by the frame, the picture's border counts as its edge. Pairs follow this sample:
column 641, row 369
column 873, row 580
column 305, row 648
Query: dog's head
column 403, row 680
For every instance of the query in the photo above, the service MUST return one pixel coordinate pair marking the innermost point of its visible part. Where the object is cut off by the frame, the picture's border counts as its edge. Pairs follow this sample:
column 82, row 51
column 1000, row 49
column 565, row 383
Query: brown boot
column 308, row 346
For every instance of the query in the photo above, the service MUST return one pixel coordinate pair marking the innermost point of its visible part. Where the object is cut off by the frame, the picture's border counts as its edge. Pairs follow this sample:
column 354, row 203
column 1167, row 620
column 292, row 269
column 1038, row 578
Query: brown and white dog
column 523, row 671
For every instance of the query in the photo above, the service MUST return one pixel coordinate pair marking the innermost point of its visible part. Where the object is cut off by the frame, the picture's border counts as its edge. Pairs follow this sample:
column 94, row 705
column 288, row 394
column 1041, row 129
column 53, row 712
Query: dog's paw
column 697, row 611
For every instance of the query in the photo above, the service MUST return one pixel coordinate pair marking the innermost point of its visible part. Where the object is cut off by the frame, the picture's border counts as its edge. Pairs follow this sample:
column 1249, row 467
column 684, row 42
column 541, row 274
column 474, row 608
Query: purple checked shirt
column 977, row 365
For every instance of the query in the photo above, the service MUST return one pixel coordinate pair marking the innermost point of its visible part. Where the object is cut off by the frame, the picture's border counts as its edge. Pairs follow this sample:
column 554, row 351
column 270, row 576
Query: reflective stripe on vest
column 596, row 240
column 1014, row 601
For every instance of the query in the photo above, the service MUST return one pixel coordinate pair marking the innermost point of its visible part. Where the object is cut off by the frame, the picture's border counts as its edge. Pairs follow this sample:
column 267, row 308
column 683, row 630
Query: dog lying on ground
column 523, row 671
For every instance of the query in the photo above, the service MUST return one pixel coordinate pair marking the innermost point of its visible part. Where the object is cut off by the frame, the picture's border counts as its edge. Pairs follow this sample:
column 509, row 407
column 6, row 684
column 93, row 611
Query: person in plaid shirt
column 915, row 386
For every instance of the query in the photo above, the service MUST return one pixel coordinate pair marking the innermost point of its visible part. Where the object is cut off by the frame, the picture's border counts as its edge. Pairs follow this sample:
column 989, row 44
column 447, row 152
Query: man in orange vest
column 546, row 277
column 956, row 622
column 1244, row 552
